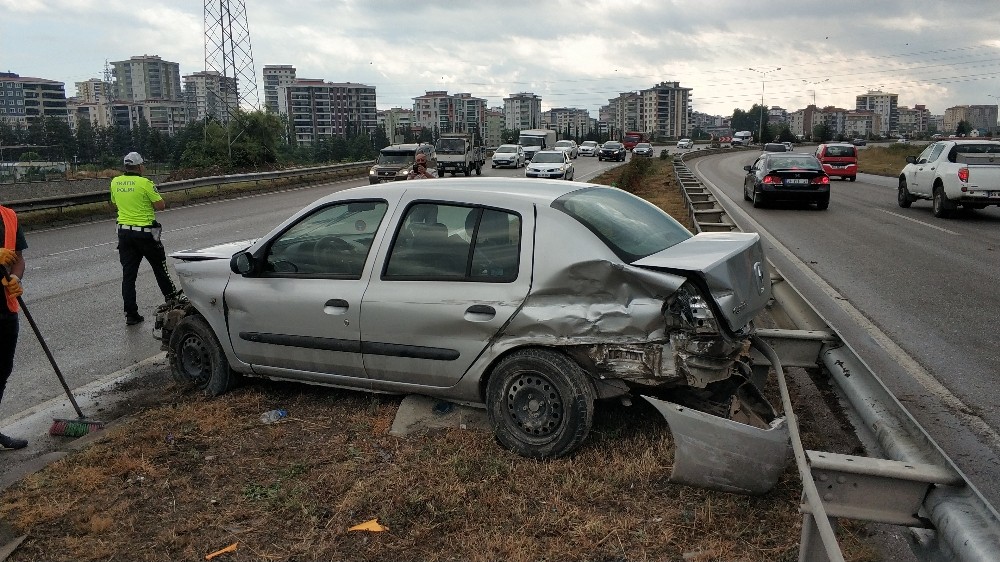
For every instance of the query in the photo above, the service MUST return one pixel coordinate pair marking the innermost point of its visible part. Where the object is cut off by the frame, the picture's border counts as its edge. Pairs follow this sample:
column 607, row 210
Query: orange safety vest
column 9, row 242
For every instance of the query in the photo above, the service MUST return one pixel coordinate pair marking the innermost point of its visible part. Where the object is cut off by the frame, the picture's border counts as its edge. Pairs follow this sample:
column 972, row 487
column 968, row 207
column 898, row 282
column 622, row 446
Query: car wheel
column 494, row 166
column 852, row 178
column 903, row 197
column 758, row 198
column 540, row 403
column 746, row 196
column 823, row 204
column 941, row 206
column 196, row 358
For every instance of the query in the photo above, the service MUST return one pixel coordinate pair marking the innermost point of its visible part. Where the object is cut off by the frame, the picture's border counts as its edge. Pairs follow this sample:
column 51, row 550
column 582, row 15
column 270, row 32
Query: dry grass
column 189, row 476
column 886, row 160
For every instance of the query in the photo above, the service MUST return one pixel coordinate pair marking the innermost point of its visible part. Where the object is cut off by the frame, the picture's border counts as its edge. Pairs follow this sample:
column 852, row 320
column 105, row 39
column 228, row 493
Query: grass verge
column 886, row 160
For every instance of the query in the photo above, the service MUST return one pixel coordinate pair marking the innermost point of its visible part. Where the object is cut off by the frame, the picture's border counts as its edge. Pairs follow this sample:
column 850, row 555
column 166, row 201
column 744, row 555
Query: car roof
column 540, row 191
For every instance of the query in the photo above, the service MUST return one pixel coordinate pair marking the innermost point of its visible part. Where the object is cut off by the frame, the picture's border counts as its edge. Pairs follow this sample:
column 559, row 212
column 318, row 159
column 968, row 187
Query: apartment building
column 977, row 116
column 522, row 111
column 146, row 77
column 276, row 77
column 24, row 99
column 664, row 111
column 319, row 110
column 863, row 124
column 834, row 118
column 577, row 121
column 913, row 121
column 495, row 122
column 395, row 121
column 209, row 94
column 885, row 105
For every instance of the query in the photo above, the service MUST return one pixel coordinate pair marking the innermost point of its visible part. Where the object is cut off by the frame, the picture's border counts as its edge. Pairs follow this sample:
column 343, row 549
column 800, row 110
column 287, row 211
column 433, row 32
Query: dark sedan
column 612, row 150
column 776, row 176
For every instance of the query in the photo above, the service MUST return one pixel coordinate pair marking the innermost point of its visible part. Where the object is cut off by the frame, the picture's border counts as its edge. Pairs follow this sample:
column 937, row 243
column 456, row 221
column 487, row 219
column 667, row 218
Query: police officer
column 10, row 277
column 137, row 201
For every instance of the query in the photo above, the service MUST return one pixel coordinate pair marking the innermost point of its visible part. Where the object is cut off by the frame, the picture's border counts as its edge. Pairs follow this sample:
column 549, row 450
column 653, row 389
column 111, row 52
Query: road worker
column 13, row 269
column 137, row 201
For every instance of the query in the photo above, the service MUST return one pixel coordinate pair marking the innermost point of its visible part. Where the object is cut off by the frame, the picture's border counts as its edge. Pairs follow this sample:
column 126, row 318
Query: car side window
column 456, row 243
column 333, row 241
column 922, row 159
column 756, row 165
column 937, row 148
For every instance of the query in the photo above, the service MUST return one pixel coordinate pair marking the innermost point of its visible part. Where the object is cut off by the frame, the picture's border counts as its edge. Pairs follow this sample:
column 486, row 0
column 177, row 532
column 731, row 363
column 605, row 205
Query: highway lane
column 915, row 296
column 73, row 284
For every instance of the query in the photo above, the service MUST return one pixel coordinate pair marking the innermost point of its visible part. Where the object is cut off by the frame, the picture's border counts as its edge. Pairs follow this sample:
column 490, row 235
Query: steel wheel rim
column 534, row 405
column 195, row 359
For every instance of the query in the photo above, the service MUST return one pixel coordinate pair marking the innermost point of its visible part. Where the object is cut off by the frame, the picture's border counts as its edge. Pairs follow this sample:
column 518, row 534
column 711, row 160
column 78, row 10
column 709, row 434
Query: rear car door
column 452, row 276
column 299, row 316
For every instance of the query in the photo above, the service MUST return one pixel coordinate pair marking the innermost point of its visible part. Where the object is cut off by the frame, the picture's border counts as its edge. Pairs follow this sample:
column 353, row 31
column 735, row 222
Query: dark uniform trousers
column 133, row 246
column 8, row 343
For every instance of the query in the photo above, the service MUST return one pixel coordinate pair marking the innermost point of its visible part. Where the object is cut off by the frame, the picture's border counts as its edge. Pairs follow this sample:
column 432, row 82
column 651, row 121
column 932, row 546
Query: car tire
column 758, row 198
column 746, row 197
column 540, row 403
column 903, row 197
column 823, row 204
column 853, row 178
column 494, row 166
column 941, row 207
column 197, row 359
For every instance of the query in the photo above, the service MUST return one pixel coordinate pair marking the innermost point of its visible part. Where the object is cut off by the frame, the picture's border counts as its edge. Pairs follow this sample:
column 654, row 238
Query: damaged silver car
column 532, row 298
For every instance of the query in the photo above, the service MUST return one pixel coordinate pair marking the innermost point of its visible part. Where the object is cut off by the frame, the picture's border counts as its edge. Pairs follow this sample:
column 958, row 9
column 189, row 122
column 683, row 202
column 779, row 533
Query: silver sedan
column 533, row 298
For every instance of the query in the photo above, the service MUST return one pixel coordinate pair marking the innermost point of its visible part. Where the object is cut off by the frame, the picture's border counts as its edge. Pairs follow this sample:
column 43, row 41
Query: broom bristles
column 74, row 428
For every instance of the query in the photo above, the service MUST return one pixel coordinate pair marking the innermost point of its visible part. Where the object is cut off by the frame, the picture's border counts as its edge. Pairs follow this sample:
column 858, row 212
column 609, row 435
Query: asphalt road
column 916, row 297
column 72, row 285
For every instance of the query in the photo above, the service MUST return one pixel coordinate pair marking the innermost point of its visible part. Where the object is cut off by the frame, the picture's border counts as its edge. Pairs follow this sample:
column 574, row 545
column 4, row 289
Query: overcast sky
column 578, row 53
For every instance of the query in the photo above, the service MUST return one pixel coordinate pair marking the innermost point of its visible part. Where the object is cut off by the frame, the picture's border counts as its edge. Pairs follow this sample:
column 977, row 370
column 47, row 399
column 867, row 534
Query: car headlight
column 372, row 172
column 403, row 172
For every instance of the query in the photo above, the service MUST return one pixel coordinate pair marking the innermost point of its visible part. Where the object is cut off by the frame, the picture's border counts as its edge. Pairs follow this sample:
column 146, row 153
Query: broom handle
column 45, row 347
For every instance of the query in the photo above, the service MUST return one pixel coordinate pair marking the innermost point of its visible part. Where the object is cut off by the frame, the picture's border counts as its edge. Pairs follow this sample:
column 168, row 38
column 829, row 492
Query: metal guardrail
column 915, row 485
column 63, row 201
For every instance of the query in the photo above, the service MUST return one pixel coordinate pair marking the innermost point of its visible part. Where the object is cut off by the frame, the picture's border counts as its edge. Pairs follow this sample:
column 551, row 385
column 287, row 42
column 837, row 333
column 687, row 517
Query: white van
column 742, row 138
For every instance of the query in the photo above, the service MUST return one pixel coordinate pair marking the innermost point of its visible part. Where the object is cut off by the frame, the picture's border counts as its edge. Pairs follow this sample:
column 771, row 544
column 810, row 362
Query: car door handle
column 481, row 309
column 336, row 307
column 339, row 303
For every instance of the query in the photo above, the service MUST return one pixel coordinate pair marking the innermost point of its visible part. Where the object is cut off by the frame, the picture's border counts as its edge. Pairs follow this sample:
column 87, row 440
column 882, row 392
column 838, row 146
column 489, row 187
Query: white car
column 508, row 155
column 788, row 146
column 589, row 148
column 550, row 164
column 569, row 146
column 685, row 143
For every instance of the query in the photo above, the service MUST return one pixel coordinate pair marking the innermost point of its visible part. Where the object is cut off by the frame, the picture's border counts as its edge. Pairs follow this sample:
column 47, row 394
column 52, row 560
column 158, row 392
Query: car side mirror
column 747, row 167
column 911, row 159
column 241, row 263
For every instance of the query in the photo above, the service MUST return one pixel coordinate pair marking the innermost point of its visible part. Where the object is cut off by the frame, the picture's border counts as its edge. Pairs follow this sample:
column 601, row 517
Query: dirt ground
column 186, row 476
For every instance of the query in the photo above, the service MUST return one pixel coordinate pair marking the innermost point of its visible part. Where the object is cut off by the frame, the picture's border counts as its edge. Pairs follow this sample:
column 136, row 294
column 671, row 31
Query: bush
column 664, row 154
column 633, row 172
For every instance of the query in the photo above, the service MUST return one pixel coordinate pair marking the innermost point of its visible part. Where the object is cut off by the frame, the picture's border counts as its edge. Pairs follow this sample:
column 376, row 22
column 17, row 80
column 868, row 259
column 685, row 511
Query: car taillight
column 771, row 179
column 963, row 175
column 825, row 180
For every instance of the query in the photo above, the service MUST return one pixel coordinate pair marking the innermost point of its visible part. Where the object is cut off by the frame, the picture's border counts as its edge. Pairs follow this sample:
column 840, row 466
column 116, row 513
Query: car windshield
column 631, row 227
column 395, row 158
column 612, row 145
column 450, row 146
column 564, row 143
column 506, row 148
column 834, row 150
column 529, row 141
column 589, row 143
column 548, row 158
column 794, row 163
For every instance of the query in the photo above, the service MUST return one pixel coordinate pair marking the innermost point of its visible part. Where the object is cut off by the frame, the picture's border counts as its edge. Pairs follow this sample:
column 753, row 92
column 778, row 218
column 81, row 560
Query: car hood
column 730, row 264
column 219, row 252
column 544, row 165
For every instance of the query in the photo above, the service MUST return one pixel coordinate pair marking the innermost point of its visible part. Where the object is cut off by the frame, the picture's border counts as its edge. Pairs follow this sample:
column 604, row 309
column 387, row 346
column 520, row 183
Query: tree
column 822, row 133
column 963, row 128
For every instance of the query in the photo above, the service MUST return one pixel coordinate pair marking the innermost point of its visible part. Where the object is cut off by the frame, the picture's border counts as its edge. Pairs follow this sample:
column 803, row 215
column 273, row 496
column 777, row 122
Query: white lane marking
column 896, row 353
column 83, row 248
column 920, row 222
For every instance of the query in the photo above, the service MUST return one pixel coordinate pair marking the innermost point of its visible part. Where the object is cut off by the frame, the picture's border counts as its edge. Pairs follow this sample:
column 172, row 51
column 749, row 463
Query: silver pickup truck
column 953, row 174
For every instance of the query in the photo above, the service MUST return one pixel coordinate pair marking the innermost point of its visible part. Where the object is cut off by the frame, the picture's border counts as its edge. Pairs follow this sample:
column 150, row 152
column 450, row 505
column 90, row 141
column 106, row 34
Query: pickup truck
column 953, row 174
column 459, row 153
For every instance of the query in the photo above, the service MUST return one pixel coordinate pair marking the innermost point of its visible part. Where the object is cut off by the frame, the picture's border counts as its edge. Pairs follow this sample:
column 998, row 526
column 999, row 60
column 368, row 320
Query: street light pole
column 808, row 83
column 763, row 107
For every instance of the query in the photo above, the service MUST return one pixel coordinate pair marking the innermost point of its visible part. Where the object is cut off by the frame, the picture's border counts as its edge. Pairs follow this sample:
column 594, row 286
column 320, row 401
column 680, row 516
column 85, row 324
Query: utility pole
column 763, row 108
column 228, row 52
column 808, row 83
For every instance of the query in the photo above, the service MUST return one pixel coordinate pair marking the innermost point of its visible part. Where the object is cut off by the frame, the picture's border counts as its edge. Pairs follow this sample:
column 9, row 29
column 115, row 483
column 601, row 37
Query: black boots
column 132, row 319
column 12, row 442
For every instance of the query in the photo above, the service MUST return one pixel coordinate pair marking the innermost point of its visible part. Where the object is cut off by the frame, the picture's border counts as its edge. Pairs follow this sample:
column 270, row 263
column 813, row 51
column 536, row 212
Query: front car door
column 921, row 179
column 298, row 317
column 452, row 276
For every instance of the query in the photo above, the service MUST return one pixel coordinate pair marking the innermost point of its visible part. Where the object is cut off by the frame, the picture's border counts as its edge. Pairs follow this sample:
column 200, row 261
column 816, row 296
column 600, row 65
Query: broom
column 60, row 426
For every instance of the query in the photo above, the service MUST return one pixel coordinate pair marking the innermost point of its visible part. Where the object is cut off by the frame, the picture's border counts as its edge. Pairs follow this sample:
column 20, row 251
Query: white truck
column 953, row 174
column 533, row 140
column 459, row 153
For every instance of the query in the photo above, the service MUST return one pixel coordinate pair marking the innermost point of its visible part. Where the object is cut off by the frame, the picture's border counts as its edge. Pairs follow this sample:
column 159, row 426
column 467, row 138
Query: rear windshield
column 977, row 149
column 840, row 151
column 631, row 227
column 793, row 163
